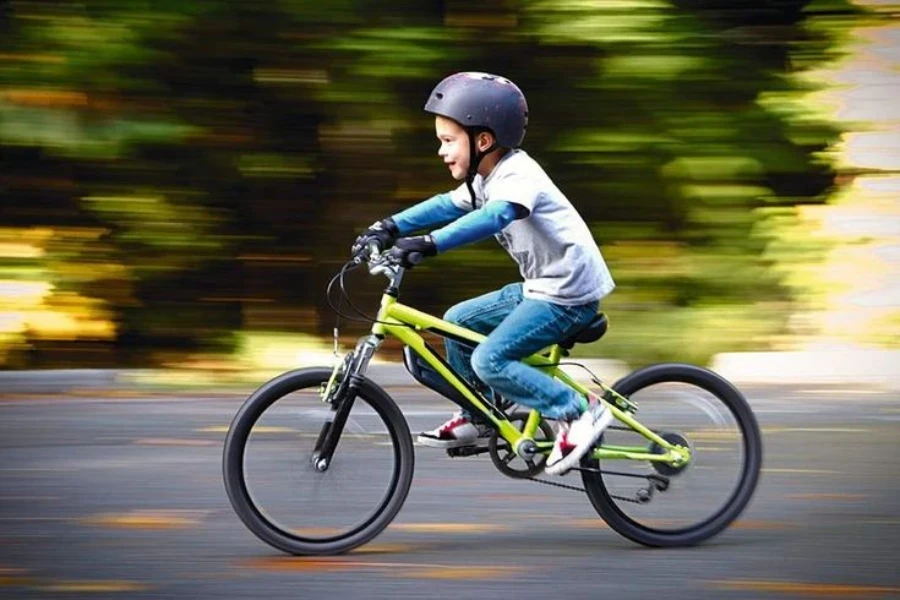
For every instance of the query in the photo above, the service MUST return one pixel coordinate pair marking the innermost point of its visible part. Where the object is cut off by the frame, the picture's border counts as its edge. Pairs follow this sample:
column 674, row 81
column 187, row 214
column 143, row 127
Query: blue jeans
column 517, row 327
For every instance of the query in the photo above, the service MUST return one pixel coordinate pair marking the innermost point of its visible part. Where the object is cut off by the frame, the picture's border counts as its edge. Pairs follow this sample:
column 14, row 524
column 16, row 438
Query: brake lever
column 379, row 262
column 366, row 254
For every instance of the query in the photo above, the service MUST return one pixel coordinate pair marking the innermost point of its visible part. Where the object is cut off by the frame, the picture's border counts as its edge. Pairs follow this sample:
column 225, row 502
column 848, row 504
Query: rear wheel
column 656, row 504
column 287, row 495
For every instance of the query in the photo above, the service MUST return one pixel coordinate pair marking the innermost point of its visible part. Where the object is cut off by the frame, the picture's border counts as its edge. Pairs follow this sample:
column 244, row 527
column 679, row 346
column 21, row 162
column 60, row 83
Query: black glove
column 410, row 251
column 382, row 232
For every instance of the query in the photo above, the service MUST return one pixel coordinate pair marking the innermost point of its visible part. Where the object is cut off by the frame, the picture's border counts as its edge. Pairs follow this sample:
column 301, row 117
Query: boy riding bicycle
column 480, row 120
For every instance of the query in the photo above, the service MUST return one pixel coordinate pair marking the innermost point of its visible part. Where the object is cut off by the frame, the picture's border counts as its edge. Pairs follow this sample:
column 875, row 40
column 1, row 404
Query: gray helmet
column 482, row 100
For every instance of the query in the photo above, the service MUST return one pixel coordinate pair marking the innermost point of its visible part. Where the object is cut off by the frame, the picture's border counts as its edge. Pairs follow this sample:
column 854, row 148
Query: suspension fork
column 343, row 400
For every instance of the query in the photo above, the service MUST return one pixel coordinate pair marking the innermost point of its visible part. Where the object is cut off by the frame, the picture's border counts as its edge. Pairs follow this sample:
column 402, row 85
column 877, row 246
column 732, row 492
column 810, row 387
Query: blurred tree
column 227, row 153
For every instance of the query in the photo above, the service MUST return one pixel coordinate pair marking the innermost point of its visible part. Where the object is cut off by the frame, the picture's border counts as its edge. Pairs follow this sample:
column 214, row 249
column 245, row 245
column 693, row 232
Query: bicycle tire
column 604, row 502
column 236, row 477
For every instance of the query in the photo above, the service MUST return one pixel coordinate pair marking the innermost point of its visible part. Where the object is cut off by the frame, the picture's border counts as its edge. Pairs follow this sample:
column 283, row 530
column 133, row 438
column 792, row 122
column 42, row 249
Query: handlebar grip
column 415, row 258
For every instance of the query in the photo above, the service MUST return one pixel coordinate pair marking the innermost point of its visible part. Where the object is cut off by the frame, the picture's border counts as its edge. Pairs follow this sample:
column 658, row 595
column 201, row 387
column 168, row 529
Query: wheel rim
column 291, row 496
column 698, row 496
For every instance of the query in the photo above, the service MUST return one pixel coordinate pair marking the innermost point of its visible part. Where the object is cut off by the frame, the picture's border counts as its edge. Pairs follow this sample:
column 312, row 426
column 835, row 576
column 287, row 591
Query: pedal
column 466, row 451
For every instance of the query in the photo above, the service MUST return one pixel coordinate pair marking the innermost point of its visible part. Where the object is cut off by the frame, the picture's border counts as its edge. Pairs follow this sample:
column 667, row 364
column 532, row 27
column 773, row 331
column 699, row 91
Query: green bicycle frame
column 403, row 322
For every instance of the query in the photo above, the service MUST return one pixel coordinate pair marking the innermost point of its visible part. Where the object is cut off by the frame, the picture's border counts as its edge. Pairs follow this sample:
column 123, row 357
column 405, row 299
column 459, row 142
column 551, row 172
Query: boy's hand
column 409, row 251
column 382, row 232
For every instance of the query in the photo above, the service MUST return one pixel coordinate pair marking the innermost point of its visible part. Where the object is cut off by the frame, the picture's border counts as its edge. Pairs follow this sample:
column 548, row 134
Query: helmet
column 482, row 100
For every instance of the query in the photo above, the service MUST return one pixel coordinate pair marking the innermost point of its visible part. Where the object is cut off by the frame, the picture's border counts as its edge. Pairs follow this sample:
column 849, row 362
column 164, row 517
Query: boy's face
column 454, row 150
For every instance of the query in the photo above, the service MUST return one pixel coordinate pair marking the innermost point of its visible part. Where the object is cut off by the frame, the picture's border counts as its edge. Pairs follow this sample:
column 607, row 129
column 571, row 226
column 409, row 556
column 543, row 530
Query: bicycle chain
column 579, row 489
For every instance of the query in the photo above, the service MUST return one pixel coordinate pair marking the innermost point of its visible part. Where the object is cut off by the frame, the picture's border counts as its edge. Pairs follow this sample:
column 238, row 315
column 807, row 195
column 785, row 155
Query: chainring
column 505, row 458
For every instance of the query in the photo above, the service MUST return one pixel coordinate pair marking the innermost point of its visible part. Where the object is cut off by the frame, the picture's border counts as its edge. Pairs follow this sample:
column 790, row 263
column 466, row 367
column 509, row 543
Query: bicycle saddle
column 592, row 332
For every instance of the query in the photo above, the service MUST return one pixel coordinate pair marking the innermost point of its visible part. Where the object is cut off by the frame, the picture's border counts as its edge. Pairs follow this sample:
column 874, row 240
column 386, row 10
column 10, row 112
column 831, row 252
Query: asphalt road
column 123, row 497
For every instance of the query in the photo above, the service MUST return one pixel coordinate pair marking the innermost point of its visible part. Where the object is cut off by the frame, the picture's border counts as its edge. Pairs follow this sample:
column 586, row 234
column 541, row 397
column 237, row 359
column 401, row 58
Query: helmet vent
column 439, row 95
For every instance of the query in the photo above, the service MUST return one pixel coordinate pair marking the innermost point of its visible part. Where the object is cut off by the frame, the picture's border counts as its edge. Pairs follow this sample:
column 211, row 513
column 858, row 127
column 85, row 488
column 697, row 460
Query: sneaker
column 458, row 431
column 575, row 438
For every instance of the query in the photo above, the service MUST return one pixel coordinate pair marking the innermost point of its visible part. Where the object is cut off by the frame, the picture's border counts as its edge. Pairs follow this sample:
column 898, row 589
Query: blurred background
column 179, row 180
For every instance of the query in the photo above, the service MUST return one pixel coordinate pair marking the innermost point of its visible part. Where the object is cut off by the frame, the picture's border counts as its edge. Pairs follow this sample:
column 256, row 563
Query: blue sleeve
column 424, row 215
column 476, row 225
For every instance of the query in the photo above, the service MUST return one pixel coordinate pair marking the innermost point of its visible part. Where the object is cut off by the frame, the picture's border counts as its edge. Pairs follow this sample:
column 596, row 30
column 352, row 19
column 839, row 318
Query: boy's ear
column 484, row 140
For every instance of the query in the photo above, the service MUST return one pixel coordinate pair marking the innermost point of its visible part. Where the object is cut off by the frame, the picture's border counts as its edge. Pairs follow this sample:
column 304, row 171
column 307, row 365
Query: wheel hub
column 678, row 440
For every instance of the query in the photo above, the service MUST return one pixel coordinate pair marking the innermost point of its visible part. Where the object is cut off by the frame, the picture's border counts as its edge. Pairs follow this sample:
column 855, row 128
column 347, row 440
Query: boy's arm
column 477, row 225
column 472, row 227
column 437, row 210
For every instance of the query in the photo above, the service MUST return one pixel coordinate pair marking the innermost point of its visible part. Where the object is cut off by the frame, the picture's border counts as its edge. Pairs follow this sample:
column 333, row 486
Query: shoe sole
column 445, row 444
column 573, row 457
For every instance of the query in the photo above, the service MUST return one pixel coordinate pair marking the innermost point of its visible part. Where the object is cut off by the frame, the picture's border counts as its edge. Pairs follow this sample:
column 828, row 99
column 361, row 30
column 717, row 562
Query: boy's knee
column 484, row 364
column 453, row 314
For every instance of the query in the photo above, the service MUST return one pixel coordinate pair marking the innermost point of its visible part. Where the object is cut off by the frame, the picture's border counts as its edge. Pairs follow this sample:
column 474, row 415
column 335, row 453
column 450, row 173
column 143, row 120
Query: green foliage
column 228, row 152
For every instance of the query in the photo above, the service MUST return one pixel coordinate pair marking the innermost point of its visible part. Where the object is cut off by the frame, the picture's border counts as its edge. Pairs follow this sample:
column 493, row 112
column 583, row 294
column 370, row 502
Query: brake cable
column 344, row 295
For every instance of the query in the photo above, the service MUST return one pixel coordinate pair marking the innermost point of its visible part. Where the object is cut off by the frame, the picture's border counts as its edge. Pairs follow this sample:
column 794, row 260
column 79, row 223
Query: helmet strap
column 475, row 158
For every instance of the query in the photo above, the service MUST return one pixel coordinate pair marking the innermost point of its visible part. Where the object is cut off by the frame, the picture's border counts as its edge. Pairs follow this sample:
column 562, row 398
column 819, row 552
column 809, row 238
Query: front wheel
column 282, row 490
column 660, row 505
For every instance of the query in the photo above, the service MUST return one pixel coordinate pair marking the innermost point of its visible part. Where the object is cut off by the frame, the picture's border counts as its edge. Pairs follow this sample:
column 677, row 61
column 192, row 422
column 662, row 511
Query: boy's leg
column 532, row 326
column 482, row 315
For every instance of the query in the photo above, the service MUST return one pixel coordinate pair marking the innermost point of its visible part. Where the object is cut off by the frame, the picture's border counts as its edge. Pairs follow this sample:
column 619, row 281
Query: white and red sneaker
column 458, row 431
column 575, row 438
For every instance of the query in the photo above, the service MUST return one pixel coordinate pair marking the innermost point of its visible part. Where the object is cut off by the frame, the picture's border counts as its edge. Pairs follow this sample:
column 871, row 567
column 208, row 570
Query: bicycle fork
column 340, row 393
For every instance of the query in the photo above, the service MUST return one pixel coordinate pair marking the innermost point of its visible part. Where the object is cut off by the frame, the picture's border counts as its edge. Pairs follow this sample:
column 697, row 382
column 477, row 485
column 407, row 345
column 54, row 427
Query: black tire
column 748, row 468
column 332, row 542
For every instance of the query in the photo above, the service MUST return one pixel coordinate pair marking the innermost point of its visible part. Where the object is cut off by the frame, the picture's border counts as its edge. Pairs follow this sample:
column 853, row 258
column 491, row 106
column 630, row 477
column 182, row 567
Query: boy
column 480, row 121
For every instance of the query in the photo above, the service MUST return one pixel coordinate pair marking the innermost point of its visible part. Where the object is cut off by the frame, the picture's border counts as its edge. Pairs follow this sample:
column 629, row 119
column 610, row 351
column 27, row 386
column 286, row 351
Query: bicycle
column 334, row 426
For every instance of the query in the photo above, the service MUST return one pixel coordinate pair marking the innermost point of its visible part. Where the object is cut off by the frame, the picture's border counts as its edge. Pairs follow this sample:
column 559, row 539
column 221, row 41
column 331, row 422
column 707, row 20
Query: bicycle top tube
column 392, row 312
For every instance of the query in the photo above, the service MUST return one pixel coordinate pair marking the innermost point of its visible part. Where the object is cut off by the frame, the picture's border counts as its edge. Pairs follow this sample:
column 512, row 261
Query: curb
column 49, row 381
column 878, row 368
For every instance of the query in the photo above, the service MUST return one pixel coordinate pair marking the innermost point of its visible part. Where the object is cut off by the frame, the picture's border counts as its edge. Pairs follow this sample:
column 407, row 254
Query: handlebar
column 384, row 262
